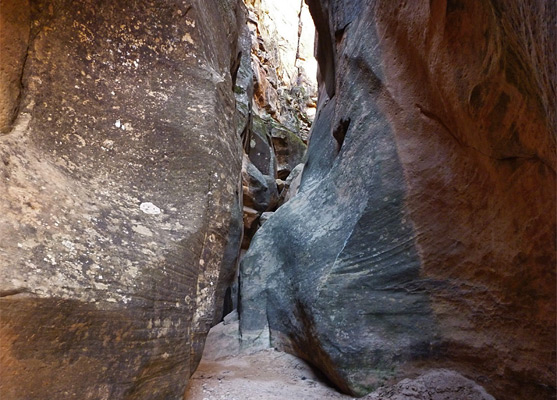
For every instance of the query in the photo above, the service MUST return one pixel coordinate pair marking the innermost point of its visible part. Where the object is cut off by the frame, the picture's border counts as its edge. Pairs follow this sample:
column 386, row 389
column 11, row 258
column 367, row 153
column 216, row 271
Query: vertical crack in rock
column 15, row 27
column 340, row 132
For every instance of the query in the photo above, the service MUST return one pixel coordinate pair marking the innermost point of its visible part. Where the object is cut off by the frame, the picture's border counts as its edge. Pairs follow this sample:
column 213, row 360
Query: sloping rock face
column 120, row 189
column 423, row 234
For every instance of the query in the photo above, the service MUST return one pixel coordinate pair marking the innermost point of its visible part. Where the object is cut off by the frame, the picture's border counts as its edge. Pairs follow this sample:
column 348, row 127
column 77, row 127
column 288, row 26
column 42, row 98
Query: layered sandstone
column 423, row 234
column 121, row 220
column 275, row 93
column 282, row 37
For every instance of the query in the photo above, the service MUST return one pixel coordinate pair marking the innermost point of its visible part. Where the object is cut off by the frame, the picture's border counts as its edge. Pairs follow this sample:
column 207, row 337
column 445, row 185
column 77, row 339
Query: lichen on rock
column 121, row 218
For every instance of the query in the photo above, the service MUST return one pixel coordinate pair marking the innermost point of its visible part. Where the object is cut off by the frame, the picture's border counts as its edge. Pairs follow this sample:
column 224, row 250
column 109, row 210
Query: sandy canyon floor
column 227, row 372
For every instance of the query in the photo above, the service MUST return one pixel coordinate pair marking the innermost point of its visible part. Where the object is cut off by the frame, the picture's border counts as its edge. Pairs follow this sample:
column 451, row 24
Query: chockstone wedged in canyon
column 410, row 250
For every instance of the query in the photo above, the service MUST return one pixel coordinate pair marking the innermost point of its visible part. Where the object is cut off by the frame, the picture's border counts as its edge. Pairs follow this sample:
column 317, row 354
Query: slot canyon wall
column 120, row 212
column 276, row 96
column 423, row 233
column 145, row 143
column 133, row 136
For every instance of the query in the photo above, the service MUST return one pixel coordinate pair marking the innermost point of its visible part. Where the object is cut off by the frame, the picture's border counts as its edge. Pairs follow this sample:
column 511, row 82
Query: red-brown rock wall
column 423, row 233
column 469, row 89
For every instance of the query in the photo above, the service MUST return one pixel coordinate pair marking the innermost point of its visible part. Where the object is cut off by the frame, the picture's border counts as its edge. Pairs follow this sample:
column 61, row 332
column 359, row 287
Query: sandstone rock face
column 423, row 233
column 120, row 207
column 273, row 151
column 259, row 195
column 14, row 39
column 274, row 90
column 283, row 36
column 433, row 385
column 289, row 149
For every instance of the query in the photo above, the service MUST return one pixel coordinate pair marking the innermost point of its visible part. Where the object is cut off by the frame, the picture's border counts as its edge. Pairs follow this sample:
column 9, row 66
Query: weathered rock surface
column 14, row 38
column 433, row 385
column 283, row 36
column 291, row 184
column 273, row 152
column 289, row 149
column 259, row 195
column 423, row 233
column 273, row 93
column 120, row 182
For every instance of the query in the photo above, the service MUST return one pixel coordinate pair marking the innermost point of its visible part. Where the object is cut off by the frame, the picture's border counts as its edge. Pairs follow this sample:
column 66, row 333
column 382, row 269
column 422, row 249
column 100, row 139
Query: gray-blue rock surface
column 423, row 232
